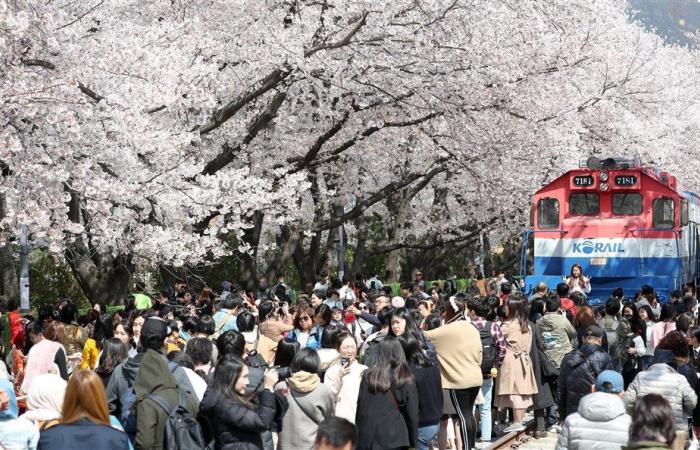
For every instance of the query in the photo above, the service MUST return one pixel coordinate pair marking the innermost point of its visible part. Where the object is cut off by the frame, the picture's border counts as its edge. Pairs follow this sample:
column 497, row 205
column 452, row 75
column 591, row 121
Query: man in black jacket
column 579, row 370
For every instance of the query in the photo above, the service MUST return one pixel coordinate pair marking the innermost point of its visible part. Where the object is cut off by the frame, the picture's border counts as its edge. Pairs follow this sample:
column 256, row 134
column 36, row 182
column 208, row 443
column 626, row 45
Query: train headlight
column 603, row 187
column 604, row 176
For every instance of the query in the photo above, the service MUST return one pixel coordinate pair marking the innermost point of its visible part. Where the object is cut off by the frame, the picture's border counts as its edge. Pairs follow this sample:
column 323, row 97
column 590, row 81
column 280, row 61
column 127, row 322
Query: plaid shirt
column 498, row 338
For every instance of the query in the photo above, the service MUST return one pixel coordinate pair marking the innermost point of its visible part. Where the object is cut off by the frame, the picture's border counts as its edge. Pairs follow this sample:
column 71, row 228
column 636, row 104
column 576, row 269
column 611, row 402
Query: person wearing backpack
column 225, row 318
column 157, row 396
column 121, row 395
column 610, row 324
column 493, row 346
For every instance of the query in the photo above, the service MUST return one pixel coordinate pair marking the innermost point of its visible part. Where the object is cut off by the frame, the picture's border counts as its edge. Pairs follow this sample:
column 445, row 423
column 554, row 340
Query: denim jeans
column 425, row 435
column 485, row 409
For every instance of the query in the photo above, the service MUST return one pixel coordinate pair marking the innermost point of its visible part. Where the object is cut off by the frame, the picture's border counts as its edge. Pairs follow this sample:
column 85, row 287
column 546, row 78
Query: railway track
column 524, row 440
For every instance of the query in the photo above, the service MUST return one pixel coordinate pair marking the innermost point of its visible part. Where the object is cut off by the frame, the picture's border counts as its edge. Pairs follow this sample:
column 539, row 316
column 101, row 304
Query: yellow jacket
column 90, row 355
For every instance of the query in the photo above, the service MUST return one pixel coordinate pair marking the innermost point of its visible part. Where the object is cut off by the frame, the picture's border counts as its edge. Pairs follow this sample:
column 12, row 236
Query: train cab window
column 684, row 212
column 663, row 213
column 626, row 203
column 548, row 213
column 584, row 204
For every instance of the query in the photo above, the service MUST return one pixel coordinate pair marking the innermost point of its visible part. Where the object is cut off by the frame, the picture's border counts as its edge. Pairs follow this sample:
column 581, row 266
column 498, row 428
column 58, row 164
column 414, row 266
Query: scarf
column 45, row 398
column 40, row 360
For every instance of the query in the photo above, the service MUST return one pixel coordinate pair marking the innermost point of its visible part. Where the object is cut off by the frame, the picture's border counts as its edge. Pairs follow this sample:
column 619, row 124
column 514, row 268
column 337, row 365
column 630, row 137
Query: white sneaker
column 514, row 427
column 556, row 428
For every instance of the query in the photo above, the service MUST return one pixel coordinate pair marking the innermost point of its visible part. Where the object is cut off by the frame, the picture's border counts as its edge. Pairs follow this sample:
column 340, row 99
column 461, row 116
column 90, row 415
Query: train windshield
column 663, row 217
column 548, row 213
column 584, row 204
column 627, row 203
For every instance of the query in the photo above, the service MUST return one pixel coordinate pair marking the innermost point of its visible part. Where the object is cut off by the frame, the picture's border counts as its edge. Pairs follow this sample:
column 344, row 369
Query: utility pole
column 341, row 252
column 24, row 270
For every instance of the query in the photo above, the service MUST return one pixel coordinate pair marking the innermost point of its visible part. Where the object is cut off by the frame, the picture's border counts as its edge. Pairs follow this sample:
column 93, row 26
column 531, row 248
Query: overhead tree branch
column 39, row 62
column 370, row 131
column 263, row 119
column 378, row 196
column 341, row 43
column 303, row 161
column 219, row 117
column 89, row 92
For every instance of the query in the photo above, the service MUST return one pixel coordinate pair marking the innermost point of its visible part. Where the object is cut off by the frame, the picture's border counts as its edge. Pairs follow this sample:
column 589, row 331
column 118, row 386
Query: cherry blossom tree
column 145, row 132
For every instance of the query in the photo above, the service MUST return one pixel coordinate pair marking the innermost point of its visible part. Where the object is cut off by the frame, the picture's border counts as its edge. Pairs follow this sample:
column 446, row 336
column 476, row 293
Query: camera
column 283, row 372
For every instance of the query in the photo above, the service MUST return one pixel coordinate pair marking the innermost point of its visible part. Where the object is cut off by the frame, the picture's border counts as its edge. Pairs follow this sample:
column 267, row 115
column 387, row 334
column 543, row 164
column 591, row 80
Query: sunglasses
column 305, row 318
column 364, row 308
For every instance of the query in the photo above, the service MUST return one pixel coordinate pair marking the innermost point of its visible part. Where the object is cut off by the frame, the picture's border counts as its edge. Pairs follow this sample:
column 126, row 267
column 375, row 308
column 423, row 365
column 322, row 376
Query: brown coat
column 516, row 375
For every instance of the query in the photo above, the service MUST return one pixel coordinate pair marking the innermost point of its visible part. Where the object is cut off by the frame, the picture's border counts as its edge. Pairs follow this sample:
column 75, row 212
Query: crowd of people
column 349, row 365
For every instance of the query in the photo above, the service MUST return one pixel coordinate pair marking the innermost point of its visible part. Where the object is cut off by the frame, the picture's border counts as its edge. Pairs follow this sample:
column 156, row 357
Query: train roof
column 622, row 165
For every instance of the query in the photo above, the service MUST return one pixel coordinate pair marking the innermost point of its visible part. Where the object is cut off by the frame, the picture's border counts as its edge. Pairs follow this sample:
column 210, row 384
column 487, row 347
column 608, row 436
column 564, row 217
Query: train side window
column 684, row 212
column 584, row 204
column 626, row 203
column 663, row 213
column 548, row 213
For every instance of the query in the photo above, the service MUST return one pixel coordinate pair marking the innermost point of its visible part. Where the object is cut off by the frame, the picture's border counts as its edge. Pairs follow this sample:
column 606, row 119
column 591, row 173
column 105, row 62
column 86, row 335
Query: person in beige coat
column 459, row 353
column 516, row 382
column 344, row 377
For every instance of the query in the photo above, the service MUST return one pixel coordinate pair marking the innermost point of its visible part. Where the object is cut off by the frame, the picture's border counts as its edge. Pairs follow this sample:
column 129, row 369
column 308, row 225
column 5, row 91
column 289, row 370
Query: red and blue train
column 626, row 225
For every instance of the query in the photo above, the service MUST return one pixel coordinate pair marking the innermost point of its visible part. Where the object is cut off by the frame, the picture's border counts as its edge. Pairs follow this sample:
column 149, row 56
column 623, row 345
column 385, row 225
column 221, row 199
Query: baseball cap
column 592, row 331
column 155, row 327
column 609, row 381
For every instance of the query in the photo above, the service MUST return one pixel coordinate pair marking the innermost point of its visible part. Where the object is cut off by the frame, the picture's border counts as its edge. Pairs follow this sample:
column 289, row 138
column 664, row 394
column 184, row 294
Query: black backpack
column 488, row 358
column 182, row 431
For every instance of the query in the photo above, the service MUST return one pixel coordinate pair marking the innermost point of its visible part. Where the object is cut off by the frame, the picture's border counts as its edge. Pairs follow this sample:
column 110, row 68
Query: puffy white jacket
column 663, row 380
column 600, row 424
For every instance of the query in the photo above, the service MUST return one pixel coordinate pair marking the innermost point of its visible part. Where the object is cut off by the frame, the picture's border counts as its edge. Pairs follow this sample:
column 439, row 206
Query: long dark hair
column 652, row 416
column 286, row 349
column 578, row 279
column 114, row 352
column 391, row 370
column 637, row 325
column 413, row 351
column 103, row 330
column 227, row 372
column 516, row 311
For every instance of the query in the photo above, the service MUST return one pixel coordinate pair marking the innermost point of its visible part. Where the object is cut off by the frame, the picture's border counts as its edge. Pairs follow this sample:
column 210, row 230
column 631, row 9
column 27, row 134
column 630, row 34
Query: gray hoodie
column 601, row 423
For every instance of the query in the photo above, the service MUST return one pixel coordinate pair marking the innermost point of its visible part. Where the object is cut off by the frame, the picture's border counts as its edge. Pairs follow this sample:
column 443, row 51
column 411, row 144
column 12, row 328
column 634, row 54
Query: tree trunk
column 361, row 247
column 9, row 283
column 249, row 261
column 103, row 278
column 398, row 205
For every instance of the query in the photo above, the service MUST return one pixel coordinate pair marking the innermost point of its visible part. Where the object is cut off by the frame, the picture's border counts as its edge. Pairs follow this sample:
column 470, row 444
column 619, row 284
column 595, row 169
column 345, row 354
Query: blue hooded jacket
column 15, row 433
